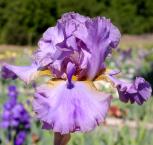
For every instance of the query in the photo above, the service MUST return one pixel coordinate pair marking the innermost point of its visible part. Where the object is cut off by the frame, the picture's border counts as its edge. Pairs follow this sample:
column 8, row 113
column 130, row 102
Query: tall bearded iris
column 73, row 52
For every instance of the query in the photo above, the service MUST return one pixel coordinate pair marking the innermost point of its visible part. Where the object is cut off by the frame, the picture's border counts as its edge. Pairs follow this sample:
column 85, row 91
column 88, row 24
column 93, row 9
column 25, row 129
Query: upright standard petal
column 99, row 35
column 84, row 41
column 66, row 110
column 72, row 15
column 54, row 34
column 47, row 45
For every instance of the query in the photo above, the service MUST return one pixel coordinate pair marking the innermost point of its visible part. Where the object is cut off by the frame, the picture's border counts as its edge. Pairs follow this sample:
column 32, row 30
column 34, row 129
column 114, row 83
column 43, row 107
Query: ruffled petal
column 115, row 36
column 54, row 34
column 45, row 54
column 72, row 15
column 84, row 41
column 25, row 73
column 99, row 35
column 138, row 91
column 65, row 110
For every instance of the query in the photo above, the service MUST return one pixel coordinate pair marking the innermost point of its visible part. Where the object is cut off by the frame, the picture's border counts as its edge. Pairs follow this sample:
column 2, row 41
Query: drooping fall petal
column 67, row 110
column 138, row 91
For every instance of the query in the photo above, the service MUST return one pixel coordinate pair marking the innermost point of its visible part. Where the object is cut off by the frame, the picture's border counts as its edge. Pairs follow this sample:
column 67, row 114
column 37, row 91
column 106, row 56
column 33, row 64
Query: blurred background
column 22, row 23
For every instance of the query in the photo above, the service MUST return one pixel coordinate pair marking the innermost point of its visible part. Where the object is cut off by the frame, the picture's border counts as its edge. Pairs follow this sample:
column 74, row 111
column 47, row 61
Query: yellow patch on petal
column 104, row 77
column 45, row 73
column 54, row 82
column 107, row 71
column 74, row 78
column 90, row 84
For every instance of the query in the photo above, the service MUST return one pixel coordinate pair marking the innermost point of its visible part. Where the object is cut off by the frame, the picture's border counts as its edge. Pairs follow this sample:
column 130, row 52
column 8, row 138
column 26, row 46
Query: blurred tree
column 3, row 5
column 23, row 22
column 85, row 7
column 122, row 13
column 26, row 20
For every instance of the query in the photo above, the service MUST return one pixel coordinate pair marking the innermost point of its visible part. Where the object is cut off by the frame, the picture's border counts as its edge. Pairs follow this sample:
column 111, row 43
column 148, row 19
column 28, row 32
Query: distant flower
column 116, row 111
column 14, row 112
column 34, row 85
column 126, row 54
column 20, row 138
column 15, row 117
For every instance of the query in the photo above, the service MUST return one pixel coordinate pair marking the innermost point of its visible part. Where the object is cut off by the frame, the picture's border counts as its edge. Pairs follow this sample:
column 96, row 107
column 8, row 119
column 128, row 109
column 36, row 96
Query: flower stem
column 60, row 139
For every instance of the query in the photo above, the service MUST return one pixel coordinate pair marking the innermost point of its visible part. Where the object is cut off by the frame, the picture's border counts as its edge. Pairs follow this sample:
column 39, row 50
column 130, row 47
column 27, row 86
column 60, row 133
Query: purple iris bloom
column 15, row 118
column 126, row 54
column 20, row 138
column 73, row 53
column 14, row 112
column 13, row 94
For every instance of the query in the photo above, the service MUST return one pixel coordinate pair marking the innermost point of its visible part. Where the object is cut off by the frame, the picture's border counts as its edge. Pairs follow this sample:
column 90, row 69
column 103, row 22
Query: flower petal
column 138, row 91
column 84, row 41
column 67, row 110
column 54, row 34
column 99, row 35
column 25, row 73
column 47, row 45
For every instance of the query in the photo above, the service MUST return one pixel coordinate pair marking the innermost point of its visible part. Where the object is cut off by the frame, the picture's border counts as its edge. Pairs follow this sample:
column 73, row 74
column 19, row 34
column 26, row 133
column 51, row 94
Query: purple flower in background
column 12, row 94
column 12, row 91
column 15, row 117
column 20, row 138
column 126, row 54
column 14, row 112
column 11, row 102
column 73, row 53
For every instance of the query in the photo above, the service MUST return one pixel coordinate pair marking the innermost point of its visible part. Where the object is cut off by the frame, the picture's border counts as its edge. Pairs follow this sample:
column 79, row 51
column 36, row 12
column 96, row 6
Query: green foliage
column 26, row 20
column 23, row 22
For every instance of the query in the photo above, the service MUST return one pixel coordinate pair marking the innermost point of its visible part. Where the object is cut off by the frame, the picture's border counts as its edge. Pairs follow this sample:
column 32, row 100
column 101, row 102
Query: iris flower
column 15, row 119
column 73, row 53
